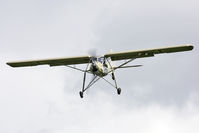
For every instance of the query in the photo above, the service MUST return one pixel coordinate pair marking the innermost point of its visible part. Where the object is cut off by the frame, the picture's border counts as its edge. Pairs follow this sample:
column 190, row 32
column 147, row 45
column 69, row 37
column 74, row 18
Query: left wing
column 147, row 52
column 52, row 62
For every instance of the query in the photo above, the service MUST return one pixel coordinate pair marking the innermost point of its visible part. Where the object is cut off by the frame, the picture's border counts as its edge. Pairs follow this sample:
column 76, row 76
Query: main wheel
column 81, row 94
column 119, row 91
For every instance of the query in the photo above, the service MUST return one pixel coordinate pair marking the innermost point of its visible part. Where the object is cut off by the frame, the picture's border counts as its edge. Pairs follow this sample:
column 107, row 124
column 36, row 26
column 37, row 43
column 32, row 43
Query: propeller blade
column 92, row 52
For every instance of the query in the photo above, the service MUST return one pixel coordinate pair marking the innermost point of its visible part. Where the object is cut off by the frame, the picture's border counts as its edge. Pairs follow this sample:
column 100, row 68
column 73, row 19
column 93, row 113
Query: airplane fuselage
column 101, row 67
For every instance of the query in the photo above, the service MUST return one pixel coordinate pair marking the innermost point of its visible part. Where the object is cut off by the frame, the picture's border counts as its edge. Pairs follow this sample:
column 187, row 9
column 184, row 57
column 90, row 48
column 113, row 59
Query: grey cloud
column 160, row 96
column 168, row 79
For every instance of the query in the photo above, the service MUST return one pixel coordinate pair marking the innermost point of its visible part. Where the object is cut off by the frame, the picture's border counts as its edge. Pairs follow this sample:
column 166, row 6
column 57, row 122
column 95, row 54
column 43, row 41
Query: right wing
column 52, row 62
column 147, row 52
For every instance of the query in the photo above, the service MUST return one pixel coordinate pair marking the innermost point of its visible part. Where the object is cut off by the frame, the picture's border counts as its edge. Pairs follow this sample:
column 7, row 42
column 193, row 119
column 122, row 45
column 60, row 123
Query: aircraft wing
column 52, row 62
column 147, row 52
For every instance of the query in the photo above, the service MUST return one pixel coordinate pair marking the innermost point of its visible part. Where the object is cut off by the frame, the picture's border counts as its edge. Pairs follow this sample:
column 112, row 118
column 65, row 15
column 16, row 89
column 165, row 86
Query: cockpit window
column 101, row 59
column 93, row 59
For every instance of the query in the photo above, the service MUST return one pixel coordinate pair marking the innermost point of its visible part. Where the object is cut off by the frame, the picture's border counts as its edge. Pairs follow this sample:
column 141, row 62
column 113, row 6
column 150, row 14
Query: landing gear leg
column 93, row 81
column 118, row 89
column 113, row 77
column 81, row 93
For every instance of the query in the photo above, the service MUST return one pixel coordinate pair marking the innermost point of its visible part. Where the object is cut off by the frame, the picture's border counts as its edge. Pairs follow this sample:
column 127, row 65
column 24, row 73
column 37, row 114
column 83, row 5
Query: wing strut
column 79, row 69
column 125, row 63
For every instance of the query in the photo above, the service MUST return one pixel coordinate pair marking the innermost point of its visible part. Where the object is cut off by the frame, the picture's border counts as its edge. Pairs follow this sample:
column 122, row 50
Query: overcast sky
column 162, row 96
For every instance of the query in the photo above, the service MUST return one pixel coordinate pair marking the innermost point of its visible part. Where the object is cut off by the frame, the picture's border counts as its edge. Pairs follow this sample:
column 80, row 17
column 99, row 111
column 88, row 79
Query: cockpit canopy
column 101, row 59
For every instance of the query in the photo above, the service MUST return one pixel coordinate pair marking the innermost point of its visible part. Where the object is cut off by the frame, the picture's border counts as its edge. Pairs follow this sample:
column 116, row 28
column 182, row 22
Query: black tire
column 119, row 91
column 81, row 94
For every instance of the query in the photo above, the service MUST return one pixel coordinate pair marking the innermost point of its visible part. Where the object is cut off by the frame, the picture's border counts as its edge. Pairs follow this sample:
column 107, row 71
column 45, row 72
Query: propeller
column 92, row 52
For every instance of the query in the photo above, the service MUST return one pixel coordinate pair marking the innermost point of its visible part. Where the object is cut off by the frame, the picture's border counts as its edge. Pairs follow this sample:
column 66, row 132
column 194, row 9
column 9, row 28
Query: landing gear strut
column 95, row 79
column 113, row 77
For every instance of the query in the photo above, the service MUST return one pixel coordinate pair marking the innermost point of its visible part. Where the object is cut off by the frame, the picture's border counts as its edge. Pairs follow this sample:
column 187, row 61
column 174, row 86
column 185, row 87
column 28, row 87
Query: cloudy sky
column 162, row 96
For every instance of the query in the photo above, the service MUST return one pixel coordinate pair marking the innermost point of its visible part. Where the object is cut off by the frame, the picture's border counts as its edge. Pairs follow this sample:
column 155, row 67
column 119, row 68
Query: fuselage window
column 101, row 59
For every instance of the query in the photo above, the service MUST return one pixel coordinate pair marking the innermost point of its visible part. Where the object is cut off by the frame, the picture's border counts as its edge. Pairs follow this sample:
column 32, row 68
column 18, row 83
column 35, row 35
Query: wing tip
column 10, row 64
column 191, row 47
column 187, row 47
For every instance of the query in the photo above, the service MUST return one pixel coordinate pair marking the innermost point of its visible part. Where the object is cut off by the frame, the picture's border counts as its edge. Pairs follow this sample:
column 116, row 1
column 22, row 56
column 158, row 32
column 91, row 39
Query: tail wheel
column 119, row 91
column 81, row 94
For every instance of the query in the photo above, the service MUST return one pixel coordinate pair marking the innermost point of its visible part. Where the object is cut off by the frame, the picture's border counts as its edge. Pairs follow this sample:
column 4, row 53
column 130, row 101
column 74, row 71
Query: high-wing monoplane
column 103, row 65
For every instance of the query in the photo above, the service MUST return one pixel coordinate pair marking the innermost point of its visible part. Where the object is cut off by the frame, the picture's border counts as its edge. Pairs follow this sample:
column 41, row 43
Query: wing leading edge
column 52, row 62
column 148, row 52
